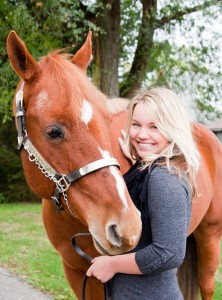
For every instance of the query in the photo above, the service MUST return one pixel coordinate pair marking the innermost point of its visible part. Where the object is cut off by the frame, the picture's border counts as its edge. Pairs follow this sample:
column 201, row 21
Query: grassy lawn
column 25, row 250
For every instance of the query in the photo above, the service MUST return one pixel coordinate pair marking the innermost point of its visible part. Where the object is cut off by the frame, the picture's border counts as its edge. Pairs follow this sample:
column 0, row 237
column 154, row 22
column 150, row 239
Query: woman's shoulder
column 161, row 176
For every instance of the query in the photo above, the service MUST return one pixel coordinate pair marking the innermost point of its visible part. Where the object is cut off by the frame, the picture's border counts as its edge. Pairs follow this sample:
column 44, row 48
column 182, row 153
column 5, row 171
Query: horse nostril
column 113, row 236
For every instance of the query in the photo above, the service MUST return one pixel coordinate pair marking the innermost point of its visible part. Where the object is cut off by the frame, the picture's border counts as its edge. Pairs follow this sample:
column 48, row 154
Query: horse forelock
column 70, row 81
column 58, row 74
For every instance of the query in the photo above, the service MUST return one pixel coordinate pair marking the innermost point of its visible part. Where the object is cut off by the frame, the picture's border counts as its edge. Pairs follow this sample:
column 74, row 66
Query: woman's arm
column 169, row 207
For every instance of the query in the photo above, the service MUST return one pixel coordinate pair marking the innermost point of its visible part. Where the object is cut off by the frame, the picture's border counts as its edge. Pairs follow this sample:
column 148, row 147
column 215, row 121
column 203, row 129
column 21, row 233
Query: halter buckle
column 62, row 183
column 57, row 201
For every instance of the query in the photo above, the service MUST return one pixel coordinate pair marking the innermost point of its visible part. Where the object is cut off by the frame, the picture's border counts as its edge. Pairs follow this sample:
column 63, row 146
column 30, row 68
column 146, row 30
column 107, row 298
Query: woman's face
column 144, row 135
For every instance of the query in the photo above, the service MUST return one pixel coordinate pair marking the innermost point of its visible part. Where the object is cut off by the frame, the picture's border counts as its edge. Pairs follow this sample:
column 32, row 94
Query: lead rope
column 107, row 285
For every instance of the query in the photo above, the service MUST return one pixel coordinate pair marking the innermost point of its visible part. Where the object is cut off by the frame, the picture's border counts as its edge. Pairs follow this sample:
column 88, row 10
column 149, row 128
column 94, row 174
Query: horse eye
column 54, row 133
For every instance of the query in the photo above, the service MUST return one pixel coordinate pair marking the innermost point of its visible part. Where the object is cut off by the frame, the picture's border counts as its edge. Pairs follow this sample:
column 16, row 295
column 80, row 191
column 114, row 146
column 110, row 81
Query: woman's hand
column 124, row 145
column 103, row 268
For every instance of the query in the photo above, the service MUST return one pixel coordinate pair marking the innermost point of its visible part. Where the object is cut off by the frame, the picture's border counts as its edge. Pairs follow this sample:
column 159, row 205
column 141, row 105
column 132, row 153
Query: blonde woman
column 162, row 186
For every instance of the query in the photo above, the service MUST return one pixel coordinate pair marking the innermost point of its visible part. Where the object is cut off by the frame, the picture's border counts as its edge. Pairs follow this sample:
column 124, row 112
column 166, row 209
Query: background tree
column 176, row 43
column 135, row 43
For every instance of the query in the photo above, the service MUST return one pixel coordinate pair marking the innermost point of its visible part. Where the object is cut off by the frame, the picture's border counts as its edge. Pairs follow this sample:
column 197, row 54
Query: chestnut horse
column 72, row 124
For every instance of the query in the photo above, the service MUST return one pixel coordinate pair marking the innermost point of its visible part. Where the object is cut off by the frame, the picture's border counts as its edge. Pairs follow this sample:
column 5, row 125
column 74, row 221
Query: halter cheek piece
column 61, row 181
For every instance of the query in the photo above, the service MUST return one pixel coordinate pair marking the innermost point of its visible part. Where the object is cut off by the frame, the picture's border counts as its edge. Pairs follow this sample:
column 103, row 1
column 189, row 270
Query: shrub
column 13, row 186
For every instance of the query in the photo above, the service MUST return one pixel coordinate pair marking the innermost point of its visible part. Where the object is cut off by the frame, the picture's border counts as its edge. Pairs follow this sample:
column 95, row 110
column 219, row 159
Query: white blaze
column 42, row 100
column 86, row 111
column 119, row 180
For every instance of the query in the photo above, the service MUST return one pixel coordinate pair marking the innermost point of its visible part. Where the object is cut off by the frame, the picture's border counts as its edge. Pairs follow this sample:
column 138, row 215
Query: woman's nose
column 144, row 133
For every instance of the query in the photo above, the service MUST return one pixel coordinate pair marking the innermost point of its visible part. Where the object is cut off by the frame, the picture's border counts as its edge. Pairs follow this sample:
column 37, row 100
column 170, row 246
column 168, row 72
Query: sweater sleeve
column 169, row 211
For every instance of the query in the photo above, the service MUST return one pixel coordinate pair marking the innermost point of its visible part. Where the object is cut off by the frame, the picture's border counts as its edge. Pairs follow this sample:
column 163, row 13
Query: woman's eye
column 54, row 133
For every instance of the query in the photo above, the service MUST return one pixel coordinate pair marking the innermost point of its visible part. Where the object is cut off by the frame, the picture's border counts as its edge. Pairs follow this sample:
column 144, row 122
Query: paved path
column 14, row 288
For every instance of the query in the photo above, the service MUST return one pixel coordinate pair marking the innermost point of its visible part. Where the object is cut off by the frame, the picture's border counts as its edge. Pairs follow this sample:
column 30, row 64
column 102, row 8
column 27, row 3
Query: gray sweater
column 165, row 204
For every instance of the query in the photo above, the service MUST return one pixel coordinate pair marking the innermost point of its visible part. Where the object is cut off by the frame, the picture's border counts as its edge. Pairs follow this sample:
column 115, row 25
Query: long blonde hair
column 173, row 123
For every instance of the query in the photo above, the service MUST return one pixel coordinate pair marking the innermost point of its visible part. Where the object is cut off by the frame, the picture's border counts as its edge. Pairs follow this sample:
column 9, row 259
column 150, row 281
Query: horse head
column 67, row 123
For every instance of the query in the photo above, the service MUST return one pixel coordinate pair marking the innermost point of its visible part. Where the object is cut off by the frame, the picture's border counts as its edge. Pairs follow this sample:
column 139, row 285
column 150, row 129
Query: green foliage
column 44, row 26
column 47, row 25
column 186, row 54
column 13, row 185
column 130, row 23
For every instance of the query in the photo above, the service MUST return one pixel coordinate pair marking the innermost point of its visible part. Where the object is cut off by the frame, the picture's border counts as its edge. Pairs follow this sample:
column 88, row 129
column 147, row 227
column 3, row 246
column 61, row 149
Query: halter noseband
column 61, row 181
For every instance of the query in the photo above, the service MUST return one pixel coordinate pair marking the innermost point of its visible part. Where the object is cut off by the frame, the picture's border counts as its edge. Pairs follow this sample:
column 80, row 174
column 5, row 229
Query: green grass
column 25, row 250
column 218, row 288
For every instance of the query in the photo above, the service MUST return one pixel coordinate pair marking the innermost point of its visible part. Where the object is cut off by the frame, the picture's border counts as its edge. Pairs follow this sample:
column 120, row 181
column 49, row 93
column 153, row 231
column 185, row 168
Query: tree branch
column 187, row 10
column 142, row 53
column 88, row 14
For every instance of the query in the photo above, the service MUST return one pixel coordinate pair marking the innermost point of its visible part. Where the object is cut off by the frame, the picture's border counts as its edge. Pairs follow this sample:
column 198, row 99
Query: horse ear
column 21, row 60
column 83, row 56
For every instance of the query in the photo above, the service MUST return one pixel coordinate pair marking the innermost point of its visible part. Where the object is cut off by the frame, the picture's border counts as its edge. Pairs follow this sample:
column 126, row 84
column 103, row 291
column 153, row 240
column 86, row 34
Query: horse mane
column 117, row 105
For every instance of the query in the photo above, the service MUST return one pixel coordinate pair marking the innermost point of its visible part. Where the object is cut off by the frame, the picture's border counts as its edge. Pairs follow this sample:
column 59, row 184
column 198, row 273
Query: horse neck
column 118, row 123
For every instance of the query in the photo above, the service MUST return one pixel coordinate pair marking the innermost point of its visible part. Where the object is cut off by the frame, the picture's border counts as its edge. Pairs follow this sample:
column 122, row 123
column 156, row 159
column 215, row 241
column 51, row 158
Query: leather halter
column 61, row 181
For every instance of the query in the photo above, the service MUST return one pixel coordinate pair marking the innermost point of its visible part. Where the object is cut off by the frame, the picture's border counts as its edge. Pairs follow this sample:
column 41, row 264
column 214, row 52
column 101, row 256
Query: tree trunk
column 141, row 59
column 107, row 47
